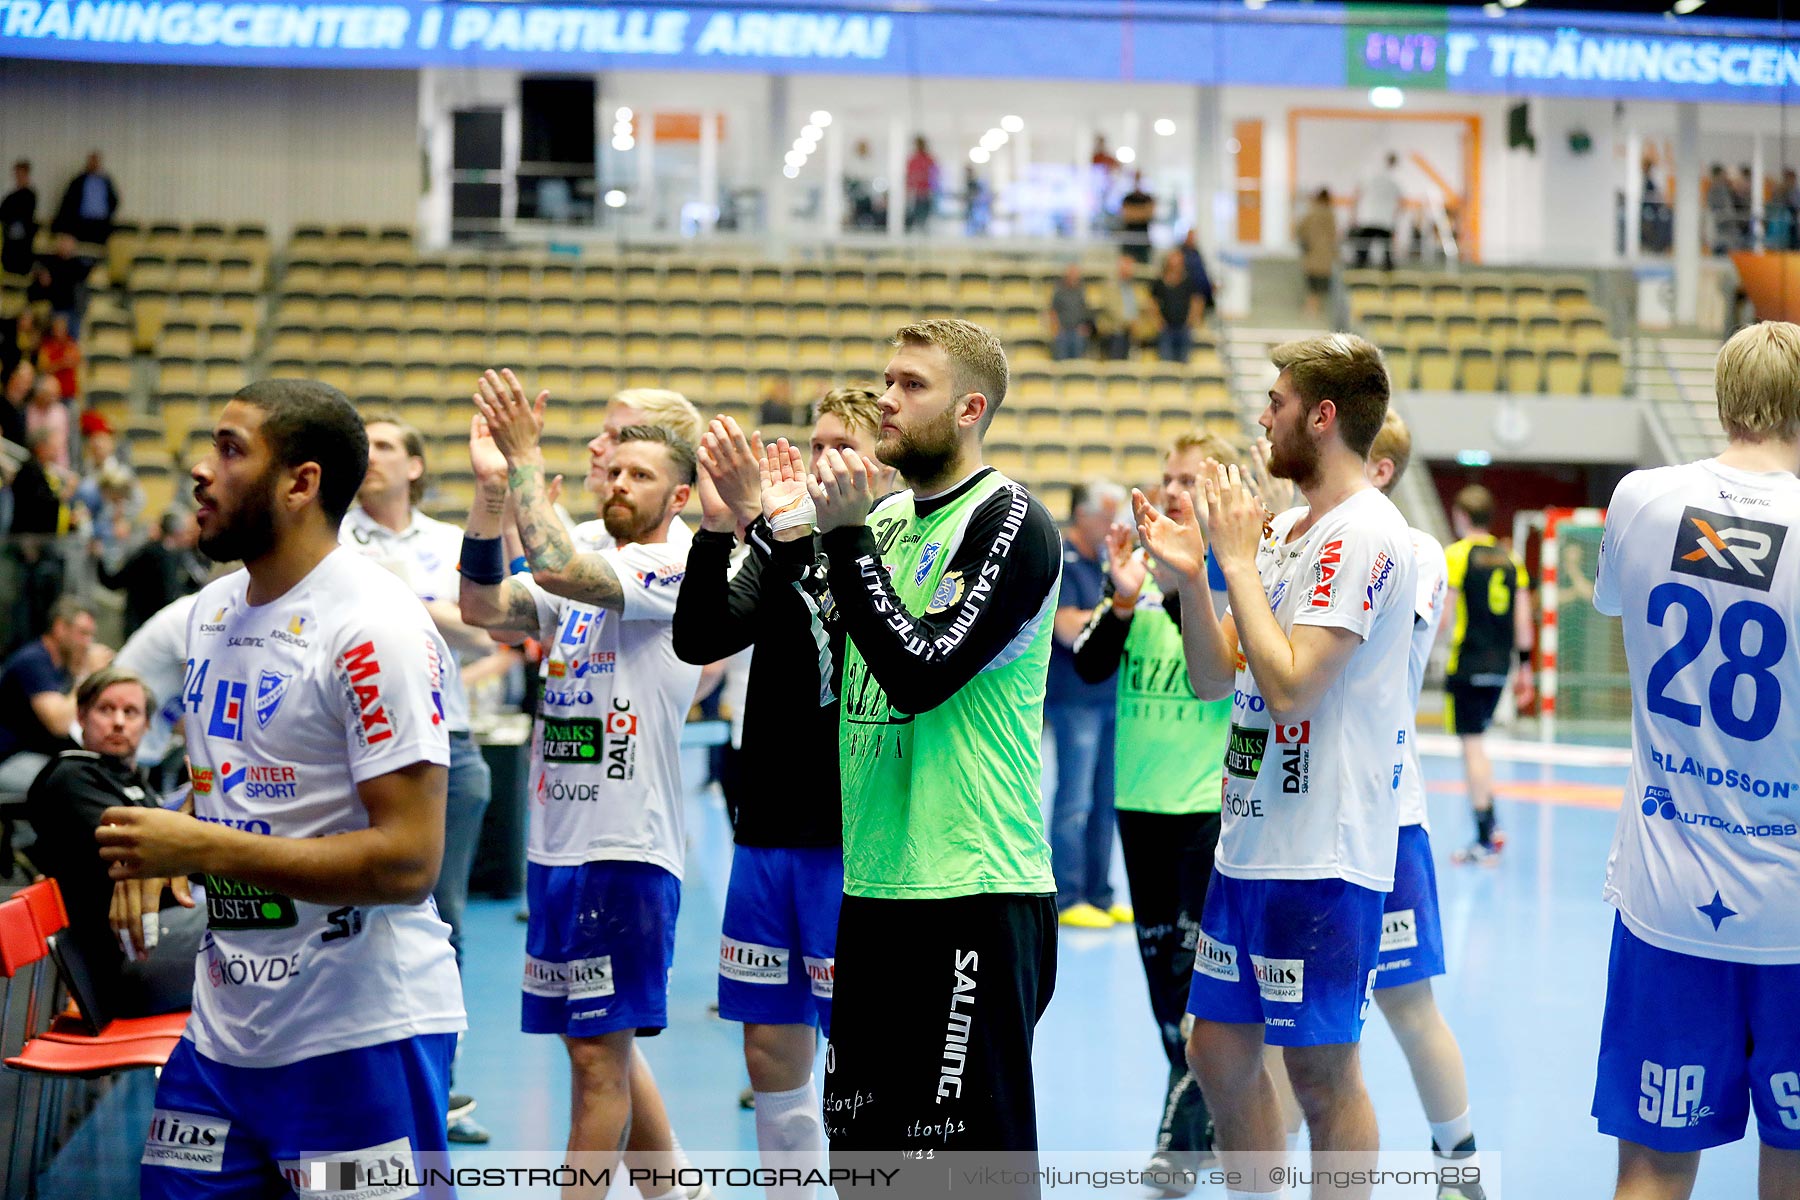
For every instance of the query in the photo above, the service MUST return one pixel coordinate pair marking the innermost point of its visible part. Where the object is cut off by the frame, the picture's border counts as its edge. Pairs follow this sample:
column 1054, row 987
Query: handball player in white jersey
column 317, row 747
column 1313, row 652
column 1704, row 984
column 606, row 843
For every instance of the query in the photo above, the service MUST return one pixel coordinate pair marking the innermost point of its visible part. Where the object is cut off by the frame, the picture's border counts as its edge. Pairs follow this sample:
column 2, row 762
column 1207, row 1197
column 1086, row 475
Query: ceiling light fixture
column 1386, row 97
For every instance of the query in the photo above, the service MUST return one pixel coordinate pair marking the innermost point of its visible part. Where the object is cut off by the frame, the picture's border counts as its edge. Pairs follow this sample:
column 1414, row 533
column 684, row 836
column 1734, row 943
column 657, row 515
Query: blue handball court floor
column 1527, row 941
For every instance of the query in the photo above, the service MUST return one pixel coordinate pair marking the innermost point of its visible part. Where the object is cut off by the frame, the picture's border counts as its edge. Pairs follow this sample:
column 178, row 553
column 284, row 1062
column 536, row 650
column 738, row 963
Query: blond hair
column 1346, row 370
column 857, row 408
column 660, row 406
column 1393, row 443
column 1758, row 382
column 1215, row 447
column 977, row 360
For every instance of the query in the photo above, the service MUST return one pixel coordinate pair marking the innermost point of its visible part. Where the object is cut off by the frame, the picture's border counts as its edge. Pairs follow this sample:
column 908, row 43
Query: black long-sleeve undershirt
column 1010, row 555
column 776, row 602
column 1100, row 646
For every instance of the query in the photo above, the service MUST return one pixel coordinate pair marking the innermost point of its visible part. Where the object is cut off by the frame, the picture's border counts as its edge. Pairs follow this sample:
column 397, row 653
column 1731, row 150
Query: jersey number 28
column 1740, row 662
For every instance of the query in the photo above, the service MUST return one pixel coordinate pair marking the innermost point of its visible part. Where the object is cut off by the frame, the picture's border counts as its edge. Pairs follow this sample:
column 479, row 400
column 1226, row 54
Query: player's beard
column 626, row 522
column 1294, row 457
column 921, row 453
column 246, row 531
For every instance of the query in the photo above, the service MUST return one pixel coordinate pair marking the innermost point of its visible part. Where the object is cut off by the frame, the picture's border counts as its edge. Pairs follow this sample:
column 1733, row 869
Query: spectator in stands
column 88, row 205
column 1378, row 204
column 18, row 222
column 1071, row 320
column 978, row 202
column 40, row 492
column 27, row 336
column 111, row 519
column 46, row 411
column 1081, row 717
column 160, row 571
column 19, row 384
column 59, row 356
column 1784, row 213
column 863, row 188
column 99, row 452
column 1317, row 233
column 1137, row 209
column 1196, row 268
column 37, row 692
column 1720, row 201
column 1179, row 306
column 64, row 805
column 59, row 279
column 1126, row 314
column 921, row 187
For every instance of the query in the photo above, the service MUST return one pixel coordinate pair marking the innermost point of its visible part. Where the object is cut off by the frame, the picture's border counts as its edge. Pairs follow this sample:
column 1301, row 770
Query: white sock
column 1448, row 1135
column 790, row 1132
column 1232, row 1194
column 676, row 1152
column 1293, row 1141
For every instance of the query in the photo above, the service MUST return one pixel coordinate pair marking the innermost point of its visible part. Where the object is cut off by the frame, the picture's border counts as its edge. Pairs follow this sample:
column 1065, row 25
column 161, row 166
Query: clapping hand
column 1174, row 537
column 517, row 424
column 844, row 490
column 1231, row 515
column 1126, row 562
column 730, row 477
column 783, row 486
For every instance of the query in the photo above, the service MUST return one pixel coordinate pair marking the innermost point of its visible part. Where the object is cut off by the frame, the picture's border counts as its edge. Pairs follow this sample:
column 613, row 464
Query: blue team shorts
column 220, row 1131
column 778, row 942
column 1689, row 1045
column 1296, row 956
column 1412, row 933
column 598, row 947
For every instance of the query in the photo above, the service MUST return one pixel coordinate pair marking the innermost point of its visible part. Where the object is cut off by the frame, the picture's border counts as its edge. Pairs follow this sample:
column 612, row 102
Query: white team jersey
column 424, row 555
column 1315, row 799
column 606, row 748
column 1431, row 579
column 157, row 654
column 1706, row 857
column 291, row 705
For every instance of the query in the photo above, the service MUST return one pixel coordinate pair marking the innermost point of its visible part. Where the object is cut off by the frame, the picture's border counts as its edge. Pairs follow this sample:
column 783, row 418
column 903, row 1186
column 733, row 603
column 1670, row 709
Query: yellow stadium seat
column 1524, row 369
column 1605, row 373
column 1478, row 369
column 1437, row 370
column 1562, row 372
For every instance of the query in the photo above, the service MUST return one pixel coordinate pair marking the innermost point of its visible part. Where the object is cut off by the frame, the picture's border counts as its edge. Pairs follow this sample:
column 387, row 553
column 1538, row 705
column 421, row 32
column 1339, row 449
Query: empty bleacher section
column 1488, row 331
column 359, row 308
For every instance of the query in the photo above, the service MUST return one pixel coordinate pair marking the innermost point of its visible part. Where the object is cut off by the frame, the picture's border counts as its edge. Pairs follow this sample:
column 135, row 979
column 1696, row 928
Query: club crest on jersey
column 1727, row 548
column 1324, row 589
column 927, row 557
column 271, row 689
column 949, row 591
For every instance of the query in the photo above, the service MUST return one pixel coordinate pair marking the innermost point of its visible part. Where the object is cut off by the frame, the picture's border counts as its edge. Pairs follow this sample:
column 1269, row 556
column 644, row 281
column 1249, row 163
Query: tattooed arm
column 507, row 606
column 555, row 565
column 516, row 425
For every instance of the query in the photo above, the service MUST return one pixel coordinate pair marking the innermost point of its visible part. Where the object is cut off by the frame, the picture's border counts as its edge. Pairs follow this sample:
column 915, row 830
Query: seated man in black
column 65, row 803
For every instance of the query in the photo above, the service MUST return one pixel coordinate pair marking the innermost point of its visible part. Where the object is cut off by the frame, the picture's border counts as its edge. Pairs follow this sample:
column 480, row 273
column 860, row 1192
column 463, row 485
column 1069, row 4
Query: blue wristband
column 521, row 565
column 483, row 560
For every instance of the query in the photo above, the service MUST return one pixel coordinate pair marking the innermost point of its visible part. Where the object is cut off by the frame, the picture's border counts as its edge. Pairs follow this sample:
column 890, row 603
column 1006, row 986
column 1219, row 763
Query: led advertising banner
column 1193, row 41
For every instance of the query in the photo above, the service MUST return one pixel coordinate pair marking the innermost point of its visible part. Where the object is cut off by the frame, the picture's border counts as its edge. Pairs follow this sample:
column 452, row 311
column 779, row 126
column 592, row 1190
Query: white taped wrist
column 794, row 514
